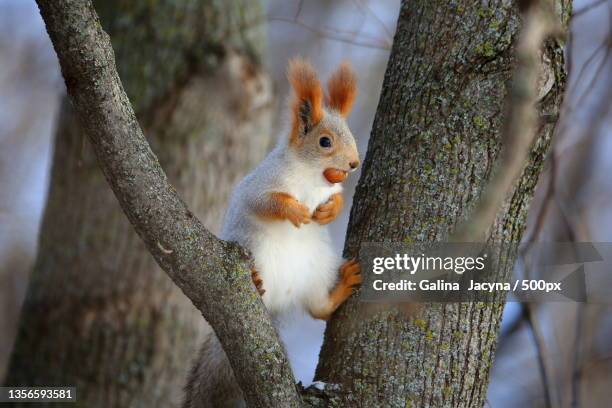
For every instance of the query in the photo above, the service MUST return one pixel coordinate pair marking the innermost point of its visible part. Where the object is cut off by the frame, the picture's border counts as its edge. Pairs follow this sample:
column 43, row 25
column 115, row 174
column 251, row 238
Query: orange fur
column 257, row 281
column 306, row 87
column 342, row 87
column 327, row 212
column 282, row 206
column 350, row 277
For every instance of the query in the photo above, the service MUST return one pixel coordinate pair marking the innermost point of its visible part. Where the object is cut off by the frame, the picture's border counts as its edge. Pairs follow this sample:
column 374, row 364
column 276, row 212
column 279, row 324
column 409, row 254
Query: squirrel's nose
column 354, row 164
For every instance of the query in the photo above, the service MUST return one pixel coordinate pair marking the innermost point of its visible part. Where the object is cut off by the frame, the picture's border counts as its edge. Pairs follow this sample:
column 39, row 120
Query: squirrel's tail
column 211, row 382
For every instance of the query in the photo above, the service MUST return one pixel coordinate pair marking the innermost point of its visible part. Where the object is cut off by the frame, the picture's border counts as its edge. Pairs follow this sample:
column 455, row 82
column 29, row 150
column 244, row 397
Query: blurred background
column 549, row 354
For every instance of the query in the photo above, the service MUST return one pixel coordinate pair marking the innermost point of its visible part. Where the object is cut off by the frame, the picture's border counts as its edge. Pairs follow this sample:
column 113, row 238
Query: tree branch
column 520, row 124
column 214, row 274
column 434, row 141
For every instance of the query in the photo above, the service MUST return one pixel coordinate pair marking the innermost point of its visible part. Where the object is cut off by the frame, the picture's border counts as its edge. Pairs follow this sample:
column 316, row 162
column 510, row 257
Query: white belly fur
column 298, row 265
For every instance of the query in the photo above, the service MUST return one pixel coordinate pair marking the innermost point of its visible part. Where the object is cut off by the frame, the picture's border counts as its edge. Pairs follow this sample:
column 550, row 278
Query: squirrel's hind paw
column 350, row 279
column 257, row 281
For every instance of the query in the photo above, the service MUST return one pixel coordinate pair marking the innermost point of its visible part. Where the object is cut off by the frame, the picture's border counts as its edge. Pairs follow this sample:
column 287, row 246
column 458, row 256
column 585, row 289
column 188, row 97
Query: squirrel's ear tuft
column 342, row 87
column 308, row 97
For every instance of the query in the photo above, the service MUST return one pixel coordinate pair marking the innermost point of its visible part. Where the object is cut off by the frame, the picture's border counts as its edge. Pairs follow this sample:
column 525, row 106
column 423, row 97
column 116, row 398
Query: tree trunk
column 435, row 139
column 100, row 314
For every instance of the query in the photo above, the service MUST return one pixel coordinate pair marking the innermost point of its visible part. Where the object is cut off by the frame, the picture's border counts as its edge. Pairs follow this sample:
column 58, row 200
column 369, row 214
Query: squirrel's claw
column 350, row 273
column 328, row 211
column 350, row 279
column 257, row 281
column 299, row 215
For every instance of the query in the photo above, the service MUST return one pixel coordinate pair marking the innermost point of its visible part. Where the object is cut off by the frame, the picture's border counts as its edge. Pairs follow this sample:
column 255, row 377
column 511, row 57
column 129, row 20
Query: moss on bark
column 434, row 142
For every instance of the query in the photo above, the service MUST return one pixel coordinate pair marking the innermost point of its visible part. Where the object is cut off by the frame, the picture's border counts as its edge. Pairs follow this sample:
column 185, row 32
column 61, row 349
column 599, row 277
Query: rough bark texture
column 100, row 314
column 434, row 142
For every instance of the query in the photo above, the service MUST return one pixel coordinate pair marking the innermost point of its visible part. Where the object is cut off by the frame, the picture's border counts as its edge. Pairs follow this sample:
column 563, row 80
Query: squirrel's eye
column 325, row 142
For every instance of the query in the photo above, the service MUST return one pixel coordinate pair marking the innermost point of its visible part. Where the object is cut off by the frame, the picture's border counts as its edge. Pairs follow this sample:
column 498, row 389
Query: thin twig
column 539, row 342
column 520, row 123
column 207, row 269
column 299, row 9
column 368, row 10
column 331, row 35
column 577, row 363
column 587, row 8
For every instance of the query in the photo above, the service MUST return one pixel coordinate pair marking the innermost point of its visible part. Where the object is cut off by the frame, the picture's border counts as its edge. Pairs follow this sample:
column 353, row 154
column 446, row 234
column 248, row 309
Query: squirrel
column 280, row 212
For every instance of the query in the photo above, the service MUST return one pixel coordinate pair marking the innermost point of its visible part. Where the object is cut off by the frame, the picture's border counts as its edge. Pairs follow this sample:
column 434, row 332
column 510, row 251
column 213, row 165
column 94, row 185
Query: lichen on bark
column 100, row 314
column 434, row 143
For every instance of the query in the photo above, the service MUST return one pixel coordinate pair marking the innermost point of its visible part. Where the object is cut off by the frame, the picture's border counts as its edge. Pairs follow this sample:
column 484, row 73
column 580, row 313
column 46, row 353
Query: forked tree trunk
column 100, row 314
column 434, row 141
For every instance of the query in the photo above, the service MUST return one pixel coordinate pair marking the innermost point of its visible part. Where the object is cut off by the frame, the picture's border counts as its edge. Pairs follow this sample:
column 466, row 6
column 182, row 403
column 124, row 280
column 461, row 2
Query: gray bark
column 439, row 119
column 100, row 314
column 434, row 143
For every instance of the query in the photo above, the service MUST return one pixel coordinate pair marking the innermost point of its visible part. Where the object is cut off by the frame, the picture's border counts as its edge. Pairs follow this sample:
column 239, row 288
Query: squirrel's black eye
column 325, row 142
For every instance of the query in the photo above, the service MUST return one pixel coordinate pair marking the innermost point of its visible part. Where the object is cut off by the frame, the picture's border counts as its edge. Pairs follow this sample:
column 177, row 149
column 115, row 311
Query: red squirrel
column 280, row 212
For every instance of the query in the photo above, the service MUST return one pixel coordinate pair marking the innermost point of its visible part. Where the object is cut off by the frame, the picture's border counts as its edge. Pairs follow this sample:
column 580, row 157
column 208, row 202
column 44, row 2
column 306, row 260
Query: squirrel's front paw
column 328, row 211
column 257, row 281
column 350, row 275
column 298, row 214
